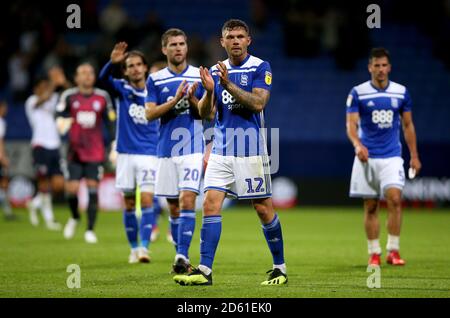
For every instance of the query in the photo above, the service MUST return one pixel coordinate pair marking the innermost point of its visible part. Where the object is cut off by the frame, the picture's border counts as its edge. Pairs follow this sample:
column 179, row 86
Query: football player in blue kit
column 237, row 91
column 378, row 108
column 173, row 94
column 136, row 139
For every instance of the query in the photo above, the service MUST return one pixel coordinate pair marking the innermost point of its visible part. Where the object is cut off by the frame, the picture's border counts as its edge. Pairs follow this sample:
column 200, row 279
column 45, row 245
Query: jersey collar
column 240, row 64
column 176, row 74
column 379, row 89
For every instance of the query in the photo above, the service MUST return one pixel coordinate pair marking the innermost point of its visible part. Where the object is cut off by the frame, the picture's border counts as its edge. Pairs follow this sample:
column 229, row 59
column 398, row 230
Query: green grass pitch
column 325, row 251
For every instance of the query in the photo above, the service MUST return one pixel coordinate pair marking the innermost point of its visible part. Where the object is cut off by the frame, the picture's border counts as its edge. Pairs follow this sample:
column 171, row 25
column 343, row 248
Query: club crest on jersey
column 76, row 104
column 244, row 79
column 96, row 105
column 394, row 102
column 268, row 78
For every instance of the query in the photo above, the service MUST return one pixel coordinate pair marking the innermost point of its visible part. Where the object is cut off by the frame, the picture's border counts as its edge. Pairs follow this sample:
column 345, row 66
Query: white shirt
column 42, row 122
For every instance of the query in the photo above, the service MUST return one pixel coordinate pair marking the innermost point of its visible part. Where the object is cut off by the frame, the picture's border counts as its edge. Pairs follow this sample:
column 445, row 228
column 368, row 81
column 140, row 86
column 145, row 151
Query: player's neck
column 86, row 90
column 380, row 84
column 177, row 69
column 138, row 84
column 237, row 60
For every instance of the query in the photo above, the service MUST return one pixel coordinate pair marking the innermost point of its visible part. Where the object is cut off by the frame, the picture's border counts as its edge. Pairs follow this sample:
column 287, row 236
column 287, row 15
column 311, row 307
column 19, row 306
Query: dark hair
column 83, row 64
column 171, row 32
column 39, row 79
column 135, row 53
column 378, row 52
column 234, row 24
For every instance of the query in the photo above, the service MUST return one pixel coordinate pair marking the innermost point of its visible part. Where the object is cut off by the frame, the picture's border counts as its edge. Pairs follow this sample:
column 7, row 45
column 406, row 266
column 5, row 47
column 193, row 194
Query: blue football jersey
column 134, row 133
column 380, row 113
column 237, row 130
column 181, row 129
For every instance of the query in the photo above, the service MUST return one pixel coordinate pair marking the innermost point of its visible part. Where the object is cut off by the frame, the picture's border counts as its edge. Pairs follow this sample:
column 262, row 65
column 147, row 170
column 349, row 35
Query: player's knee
column 57, row 183
column 72, row 187
column 210, row 207
column 395, row 201
column 146, row 200
column 187, row 200
column 43, row 185
column 371, row 207
column 263, row 211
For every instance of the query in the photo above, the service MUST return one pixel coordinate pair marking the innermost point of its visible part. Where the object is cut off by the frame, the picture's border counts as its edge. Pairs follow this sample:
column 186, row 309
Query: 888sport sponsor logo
column 383, row 118
column 137, row 113
column 229, row 101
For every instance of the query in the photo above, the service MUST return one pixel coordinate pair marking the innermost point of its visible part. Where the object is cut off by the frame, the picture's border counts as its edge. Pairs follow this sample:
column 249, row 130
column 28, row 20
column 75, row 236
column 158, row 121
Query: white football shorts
column 239, row 177
column 181, row 173
column 371, row 179
column 132, row 170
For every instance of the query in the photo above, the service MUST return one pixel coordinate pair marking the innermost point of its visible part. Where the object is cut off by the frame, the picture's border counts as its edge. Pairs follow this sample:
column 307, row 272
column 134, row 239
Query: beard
column 177, row 60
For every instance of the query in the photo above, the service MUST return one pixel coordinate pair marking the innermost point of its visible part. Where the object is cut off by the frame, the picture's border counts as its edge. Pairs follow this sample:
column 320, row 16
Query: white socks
column 393, row 243
column 36, row 202
column 178, row 256
column 281, row 267
column 206, row 270
column 47, row 209
column 373, row 246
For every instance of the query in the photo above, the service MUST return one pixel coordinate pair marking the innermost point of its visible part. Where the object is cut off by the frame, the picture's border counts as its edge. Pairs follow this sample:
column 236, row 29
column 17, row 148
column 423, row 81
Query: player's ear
column 249, row 40
column 164, row 50
column 222, row 43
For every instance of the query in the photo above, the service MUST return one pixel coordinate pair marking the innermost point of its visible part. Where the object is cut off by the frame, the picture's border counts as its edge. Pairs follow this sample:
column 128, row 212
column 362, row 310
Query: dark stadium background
column 318, row 52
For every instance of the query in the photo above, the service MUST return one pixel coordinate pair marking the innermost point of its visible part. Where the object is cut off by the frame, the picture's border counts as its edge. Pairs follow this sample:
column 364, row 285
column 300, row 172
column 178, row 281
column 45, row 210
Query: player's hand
column 191, row 93
column 118, row 53
column 113, row 154
column 207, row 80
column 57, row 76
column 181, row 91
column 63, row 124
column 223, row 74
column 415, row 164
column 362, row 153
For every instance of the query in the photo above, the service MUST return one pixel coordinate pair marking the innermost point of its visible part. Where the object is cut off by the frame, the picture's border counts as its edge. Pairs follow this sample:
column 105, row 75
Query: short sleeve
column 30, row 104
column 263, row 77
column 352, row 102
column 151, row 91
column 407, row 103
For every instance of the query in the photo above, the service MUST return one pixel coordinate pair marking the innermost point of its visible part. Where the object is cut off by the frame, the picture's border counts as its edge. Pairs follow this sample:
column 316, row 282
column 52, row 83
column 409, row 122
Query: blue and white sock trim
column 212, row 219
column 174, row 220
column 187, row 214
column 147, row 210
column 272, row 224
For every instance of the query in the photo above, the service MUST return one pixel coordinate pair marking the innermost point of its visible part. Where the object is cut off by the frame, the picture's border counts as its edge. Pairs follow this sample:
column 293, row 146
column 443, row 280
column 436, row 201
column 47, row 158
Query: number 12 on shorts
column 258, row 181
